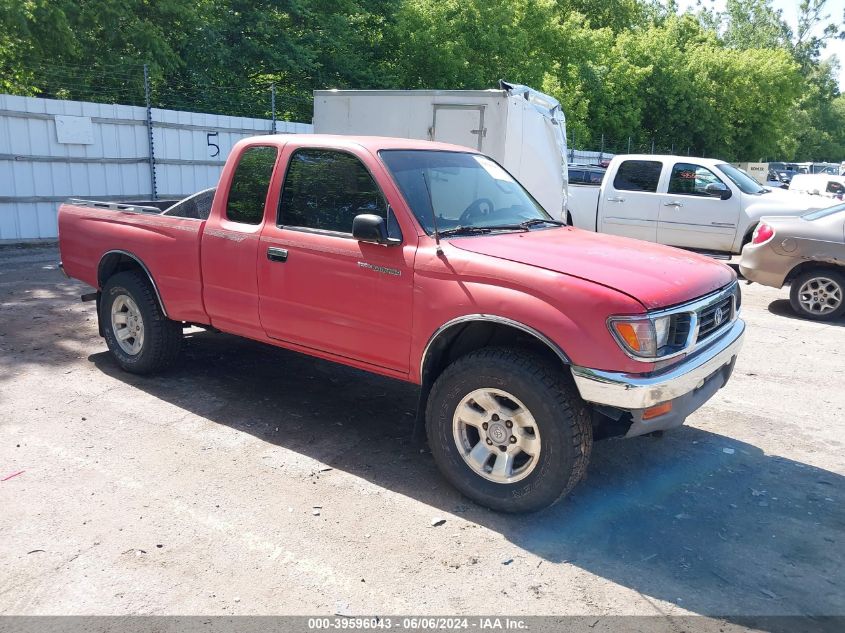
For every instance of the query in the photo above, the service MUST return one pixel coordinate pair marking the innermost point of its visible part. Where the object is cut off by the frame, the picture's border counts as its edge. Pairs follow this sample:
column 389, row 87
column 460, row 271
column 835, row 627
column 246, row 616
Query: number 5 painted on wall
column 216, row 150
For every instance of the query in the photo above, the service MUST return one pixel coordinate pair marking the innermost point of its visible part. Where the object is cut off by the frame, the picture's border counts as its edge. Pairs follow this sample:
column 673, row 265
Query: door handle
column 277, row 254
column 616, row 199
column 674, row 203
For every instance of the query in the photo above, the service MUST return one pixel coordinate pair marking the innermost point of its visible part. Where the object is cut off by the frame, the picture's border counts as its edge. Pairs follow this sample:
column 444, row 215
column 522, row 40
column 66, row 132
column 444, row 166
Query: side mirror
column 368, row 227
column 718, row 190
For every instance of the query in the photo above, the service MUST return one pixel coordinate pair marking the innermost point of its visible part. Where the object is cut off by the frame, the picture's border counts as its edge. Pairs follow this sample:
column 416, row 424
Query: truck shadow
column 706, row 522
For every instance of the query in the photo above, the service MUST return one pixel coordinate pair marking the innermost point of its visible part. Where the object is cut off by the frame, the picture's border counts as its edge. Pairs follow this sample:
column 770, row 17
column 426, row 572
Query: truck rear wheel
column 138, row 335
column 507, row 430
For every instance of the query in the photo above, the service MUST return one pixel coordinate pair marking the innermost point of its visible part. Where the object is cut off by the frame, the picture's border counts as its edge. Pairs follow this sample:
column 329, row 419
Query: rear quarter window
column 248, row 193
column 638, row 175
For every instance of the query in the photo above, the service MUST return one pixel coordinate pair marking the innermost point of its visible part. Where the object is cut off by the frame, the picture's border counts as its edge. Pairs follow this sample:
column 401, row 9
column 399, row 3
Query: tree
column 737, row 83
column 754, row 24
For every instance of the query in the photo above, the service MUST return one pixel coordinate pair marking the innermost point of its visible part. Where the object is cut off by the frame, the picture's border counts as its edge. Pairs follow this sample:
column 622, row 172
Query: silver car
column 808, row 253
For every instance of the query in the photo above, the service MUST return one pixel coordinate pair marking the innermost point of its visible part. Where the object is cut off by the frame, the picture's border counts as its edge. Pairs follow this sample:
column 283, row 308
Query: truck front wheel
column 137, row 333
column 507, row 430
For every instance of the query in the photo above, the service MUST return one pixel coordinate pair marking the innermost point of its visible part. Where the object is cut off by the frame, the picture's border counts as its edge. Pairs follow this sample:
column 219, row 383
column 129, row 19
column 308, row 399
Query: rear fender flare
column 101, row 272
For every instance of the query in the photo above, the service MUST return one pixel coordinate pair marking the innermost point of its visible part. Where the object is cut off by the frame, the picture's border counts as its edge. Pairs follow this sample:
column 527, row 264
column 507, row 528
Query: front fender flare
column 491, row 318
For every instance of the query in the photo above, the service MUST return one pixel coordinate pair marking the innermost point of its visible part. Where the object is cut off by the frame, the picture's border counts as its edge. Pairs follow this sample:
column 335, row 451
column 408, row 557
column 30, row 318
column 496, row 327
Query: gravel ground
column 251, row 480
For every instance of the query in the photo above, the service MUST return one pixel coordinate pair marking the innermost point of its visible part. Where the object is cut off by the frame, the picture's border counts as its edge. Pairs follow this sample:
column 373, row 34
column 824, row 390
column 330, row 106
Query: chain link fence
column 126, row 137
column 592, row 150
column 135, row 85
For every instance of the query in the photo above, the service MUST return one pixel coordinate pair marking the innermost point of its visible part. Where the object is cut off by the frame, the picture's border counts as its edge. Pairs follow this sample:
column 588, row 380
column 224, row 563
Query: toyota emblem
column 718, row 316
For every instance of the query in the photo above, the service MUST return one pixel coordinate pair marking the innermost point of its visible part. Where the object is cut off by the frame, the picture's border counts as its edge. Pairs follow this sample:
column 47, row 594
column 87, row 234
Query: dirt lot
column 193, row 492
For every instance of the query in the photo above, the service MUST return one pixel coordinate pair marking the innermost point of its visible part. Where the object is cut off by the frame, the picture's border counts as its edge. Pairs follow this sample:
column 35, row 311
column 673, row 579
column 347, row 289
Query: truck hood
column 657, row 276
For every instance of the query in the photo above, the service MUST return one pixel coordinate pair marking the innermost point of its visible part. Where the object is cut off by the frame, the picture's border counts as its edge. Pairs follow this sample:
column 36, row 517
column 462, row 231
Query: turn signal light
column 636, row 335
column 660, row 409
column 642, row 336
column 763, row 233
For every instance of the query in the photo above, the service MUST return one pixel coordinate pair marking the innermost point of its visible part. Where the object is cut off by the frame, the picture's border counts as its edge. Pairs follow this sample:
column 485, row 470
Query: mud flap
column 95, row 296
column 418, row 432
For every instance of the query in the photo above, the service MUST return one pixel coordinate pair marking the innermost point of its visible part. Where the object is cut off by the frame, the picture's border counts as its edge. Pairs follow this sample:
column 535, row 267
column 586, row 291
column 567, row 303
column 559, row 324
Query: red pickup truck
column 427, row 263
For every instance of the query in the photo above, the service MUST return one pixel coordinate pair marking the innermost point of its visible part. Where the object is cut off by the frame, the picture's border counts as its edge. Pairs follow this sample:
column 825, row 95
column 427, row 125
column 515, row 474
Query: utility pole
column 150, row 132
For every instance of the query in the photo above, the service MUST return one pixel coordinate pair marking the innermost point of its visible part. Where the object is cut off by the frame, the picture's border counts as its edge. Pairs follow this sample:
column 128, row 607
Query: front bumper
column 688, row 384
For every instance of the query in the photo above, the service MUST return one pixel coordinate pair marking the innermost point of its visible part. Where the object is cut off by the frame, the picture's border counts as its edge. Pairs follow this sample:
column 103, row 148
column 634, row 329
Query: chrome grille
column 679, row 331
column 715, row 317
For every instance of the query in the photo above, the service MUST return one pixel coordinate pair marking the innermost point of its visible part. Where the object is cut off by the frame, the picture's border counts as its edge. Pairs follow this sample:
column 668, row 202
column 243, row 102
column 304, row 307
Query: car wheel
column 818, row 294
column 508, row 430
column 137, row 333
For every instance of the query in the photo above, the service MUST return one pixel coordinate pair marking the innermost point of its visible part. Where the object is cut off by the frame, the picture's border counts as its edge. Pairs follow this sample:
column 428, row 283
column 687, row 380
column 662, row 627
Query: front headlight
column 645, row 337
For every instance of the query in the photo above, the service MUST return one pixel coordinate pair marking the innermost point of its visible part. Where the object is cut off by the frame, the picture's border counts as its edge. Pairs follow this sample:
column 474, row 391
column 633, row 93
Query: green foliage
column 755, row 24
column 737, row 84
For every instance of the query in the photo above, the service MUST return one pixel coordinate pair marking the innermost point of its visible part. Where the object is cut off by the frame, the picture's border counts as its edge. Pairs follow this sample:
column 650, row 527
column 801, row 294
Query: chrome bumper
column 641, row 391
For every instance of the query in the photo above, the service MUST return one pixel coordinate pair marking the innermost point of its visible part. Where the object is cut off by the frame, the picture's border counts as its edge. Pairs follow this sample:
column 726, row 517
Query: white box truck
column 758, row 171
column 520, row 128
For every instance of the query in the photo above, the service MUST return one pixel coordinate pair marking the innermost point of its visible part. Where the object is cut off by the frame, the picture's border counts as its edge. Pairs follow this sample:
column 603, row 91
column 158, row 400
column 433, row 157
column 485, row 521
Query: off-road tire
column 561, row 416
column 806, row 276
column 162, row 337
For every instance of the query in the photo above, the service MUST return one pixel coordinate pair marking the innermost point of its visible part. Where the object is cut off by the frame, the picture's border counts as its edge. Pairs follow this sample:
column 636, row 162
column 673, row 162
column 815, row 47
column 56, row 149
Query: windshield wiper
column 489, row 228
column 464, row 230
column 478, row 230
column 536, row 221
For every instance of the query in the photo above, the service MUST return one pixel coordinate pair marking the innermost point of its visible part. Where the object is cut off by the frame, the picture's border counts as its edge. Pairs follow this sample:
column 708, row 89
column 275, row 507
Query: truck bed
column 582, row 204
column 166, row 241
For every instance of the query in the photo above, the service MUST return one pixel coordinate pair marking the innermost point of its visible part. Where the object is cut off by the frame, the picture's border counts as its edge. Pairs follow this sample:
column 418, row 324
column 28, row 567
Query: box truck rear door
column 459, row 124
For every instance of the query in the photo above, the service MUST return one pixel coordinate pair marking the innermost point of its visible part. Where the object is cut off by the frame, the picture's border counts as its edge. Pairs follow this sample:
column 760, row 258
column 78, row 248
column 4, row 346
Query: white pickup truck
column 701, row 204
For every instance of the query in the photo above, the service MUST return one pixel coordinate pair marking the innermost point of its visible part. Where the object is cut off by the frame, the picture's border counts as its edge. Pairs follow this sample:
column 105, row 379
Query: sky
column 790, row 13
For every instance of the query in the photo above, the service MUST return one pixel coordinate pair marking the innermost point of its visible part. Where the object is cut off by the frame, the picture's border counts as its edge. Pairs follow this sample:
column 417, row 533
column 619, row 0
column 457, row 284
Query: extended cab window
column 576, row 177
column 691, row 180
column 248, row 193
column 326, row 189
column 638, row 175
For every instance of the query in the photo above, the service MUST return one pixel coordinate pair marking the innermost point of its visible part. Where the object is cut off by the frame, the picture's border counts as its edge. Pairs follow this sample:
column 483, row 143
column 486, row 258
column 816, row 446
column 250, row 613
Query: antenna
column 433, row 214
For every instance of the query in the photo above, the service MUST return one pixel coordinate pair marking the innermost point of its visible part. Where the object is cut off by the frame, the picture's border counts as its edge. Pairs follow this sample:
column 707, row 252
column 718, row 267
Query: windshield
column 742, row 180
column 823, row 213
column 467, row 191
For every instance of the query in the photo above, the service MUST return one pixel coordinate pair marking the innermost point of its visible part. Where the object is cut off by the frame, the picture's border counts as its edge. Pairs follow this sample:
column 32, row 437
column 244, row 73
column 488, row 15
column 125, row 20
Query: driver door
column 318, row 287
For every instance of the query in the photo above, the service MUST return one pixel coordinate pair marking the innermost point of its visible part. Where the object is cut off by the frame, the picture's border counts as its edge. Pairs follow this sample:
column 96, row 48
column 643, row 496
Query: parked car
column 590, row 175
column 808, row 254
column 827, row 185
column 786, row 175
column 773, row 181
column 427, row 263
column 694, row 203
column 785, row 171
